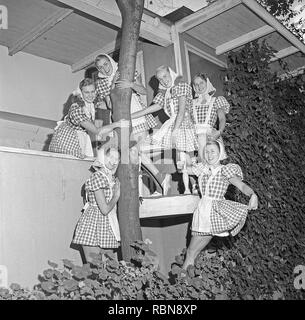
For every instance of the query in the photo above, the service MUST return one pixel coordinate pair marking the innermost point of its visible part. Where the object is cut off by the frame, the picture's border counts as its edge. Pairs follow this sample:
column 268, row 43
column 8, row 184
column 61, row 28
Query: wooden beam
column 205, row 14
column 39, row 30
column 89, row 59
column 284, row 53
column 177, row 49
column 16, row 117
column 270, row 20
column 245, row 38
column 292, row 73
column 152, row 28
column 156, row 207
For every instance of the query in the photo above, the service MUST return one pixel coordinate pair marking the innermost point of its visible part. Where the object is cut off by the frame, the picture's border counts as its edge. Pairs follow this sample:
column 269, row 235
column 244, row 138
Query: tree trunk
column 128, row 206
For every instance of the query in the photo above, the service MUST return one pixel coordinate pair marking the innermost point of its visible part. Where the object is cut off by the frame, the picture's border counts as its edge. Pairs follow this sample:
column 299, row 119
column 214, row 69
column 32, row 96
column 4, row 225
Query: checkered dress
column 201, row 110
column 93, row 228
column 148, row 124
column 186, row 138
column 225, row 215
column 103, row 90
column 65, row 139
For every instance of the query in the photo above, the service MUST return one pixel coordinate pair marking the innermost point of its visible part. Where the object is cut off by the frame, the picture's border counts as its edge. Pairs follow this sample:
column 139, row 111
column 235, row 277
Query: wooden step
column 162, row 207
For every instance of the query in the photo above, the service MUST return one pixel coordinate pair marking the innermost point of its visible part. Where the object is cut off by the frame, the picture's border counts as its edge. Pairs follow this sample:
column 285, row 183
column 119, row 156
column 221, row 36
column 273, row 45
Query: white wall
column 40, row 204
column 35, row 86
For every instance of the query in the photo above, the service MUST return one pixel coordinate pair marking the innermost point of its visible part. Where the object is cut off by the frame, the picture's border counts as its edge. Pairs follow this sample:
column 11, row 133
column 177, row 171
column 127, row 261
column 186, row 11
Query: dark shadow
column 91, row 72
column 47, row 142
column 154, row 84
column 161, row 222
column 66, row 106
column 78, row 248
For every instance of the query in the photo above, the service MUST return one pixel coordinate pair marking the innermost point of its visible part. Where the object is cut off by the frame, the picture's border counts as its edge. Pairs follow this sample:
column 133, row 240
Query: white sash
column 203, row 128
column 136, row 106
column 201, row 217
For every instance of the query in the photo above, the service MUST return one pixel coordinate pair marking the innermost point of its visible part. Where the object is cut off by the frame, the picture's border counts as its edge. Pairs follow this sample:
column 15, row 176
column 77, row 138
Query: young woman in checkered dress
column 98, row 225
column 206, row 109
column 70, row 136
column 108, row 78
column 214, row 215
column 175, row 97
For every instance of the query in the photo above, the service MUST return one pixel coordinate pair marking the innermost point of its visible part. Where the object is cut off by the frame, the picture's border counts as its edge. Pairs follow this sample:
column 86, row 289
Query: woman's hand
column 117, row 189
column 115, row 79
column 253, row 202
column 123, row 123
column 124, row 84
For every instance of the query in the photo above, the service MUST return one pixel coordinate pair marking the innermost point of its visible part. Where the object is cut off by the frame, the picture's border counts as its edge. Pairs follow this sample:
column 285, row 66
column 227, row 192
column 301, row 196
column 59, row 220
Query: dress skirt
column 218, row 217
column 186, row 139
column 94, row 229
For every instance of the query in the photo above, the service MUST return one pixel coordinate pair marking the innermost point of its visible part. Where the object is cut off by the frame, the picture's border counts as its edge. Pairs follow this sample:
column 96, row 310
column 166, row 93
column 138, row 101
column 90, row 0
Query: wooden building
column 45, row 52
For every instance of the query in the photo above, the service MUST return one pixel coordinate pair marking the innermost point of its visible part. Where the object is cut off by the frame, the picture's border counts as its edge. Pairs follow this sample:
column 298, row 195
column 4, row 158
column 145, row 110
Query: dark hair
column 86, row 82
column 199, row 75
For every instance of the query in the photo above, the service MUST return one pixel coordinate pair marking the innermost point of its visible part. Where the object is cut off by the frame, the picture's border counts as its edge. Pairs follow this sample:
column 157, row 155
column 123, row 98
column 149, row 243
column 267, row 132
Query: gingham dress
column 200, row 111
column 93, row 228
column 150, row 120
column 65, row 139
column 225, row 216
column 186, row 139
column 103, row 90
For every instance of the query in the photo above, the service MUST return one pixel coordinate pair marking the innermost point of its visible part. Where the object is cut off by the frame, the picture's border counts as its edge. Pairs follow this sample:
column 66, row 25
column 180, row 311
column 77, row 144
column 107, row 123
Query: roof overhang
column 226, row 25
column 75, row 31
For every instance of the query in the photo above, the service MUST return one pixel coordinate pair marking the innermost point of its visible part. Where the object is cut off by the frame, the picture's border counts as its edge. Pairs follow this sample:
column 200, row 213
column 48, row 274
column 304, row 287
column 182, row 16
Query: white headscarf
column 100, row 161
column 222, row 152
column 88, row 108
column 206, row 94
column 167, row 95
column 114, row 70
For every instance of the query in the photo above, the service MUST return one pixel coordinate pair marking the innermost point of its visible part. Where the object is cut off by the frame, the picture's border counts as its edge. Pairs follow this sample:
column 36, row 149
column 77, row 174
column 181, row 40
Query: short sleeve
column 222, row 103
column 159, row 99
column 199, row 168
column 77, row 115
column 96, row 181
column 231, row 170
column 102, row 88
column 183, row 89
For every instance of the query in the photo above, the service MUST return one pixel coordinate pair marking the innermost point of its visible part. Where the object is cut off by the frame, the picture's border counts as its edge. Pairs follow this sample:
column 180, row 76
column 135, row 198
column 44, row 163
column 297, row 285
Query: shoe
column 156, row 194
column 187, row 191
column 166, row 184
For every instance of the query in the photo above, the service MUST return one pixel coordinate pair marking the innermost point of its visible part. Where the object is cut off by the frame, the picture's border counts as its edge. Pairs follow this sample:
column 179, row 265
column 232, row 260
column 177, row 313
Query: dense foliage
column 265, row 135
column 107, row 279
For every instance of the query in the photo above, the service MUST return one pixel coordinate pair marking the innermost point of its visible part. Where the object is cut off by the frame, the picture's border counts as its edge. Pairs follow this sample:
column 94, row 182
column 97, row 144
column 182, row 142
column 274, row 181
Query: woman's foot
column 166, row 184
column 187, row 191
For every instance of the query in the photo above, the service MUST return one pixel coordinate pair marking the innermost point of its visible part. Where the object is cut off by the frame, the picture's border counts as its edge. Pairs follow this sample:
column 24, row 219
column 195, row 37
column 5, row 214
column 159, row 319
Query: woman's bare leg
column 197, row 244
column 202, row 141
column 88, row 250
